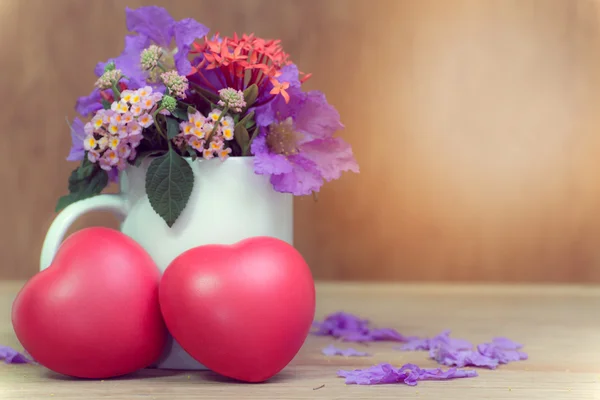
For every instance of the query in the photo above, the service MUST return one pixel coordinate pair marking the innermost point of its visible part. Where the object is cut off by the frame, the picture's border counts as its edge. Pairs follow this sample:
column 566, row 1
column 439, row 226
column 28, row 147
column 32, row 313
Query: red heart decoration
column 242, row 310
column 94, row 312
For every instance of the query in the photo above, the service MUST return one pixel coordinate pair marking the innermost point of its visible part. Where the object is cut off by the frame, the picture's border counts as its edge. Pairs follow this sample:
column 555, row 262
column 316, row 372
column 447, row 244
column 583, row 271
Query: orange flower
column 280, row 88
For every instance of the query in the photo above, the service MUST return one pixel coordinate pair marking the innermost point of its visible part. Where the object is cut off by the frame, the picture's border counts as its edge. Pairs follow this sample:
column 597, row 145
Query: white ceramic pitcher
column 229, row 203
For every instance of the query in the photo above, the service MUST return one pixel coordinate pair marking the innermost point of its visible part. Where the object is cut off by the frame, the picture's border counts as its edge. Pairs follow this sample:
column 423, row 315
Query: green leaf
column 191, row 110
column 241, row 137
column 105, row 104
column 250, row 95
column 192, row 153
column 246, row 151
column 181, row 114
column 244, row 121
column 81, row 188
column 86, row 168
column 210, row 96
column 172, row 128
column 169, row 184
column 142, row 155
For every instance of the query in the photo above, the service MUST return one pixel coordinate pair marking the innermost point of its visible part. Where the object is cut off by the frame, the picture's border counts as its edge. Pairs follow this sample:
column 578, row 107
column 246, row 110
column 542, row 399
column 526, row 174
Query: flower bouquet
column 205, row 98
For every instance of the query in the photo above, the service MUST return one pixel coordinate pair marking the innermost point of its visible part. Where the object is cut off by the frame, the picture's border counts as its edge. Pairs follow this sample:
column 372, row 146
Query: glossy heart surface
column 94, row 313
column 242, row 310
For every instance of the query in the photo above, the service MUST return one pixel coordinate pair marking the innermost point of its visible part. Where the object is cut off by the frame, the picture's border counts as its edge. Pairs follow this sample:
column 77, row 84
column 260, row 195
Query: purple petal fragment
column 11, row 356
column 487, row 355
column 339, row 324
column 460, row 353
column 388, row 334
column 351, row 328
column 451, row 357
column 437, row 341
column 331, row 350
column 506, row 343
column 408, row 374
column 504, row 351
column 416, row 345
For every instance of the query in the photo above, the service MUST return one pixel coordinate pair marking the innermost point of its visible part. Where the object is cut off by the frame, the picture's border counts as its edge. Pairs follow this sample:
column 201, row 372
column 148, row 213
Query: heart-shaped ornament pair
column 242, row 310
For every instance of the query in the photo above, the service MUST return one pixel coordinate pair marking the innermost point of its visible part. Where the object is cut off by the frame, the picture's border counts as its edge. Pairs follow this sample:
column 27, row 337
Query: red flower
column 107, row 94
column 242, row 61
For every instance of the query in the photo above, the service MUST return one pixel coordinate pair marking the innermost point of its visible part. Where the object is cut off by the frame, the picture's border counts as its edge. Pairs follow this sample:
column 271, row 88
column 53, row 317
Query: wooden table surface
column 560, row 327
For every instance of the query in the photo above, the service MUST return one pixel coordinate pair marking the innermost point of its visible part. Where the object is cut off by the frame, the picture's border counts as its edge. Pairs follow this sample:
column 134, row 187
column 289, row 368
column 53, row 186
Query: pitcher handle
column 114, row 203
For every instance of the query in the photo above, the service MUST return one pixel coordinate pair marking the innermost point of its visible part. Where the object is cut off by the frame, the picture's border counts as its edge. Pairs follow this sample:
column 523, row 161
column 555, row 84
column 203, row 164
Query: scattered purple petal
column 439, row 340
column 487, row 355
column 416, row 345
column 351, row 328
column 388, row 334
column 504, row 351
column 506, row 344
column 408, row 374
column 442, row 348
column 11, row 356
column 452, row 357
column 331, row 350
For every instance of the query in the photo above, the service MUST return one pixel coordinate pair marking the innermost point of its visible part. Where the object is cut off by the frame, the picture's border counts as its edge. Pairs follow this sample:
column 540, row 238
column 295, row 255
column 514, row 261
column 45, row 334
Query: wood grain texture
column 558, row 326
column 474, row 121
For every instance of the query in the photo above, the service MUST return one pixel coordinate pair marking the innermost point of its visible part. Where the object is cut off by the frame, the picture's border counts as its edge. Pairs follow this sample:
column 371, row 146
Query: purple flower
column 296, row 146
column 89, row 104
column 129, row 61
column 77, row 136
column 154, row 25
column 290, row 74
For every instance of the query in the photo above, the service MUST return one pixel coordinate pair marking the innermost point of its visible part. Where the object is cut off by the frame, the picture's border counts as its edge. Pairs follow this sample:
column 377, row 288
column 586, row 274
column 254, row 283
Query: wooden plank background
column 475, row 123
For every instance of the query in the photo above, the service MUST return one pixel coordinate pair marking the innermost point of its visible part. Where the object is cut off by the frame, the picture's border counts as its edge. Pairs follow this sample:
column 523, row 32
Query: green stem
column 161, row 66
column 214, row 129
column 158, row 128
column 116, row 92
column 247, row 149
column 184, row 103
column 203, row 93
